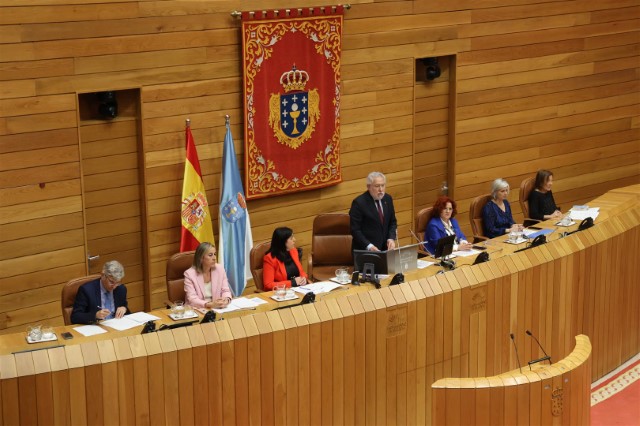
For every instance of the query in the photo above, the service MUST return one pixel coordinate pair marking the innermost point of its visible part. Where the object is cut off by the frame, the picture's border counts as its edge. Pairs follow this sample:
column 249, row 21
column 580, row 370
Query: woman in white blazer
column 205, row 283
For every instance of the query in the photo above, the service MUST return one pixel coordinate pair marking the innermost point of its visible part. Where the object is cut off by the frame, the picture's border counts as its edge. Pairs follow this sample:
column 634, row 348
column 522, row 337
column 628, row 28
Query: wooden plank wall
column 539, row 84
column 366, row 358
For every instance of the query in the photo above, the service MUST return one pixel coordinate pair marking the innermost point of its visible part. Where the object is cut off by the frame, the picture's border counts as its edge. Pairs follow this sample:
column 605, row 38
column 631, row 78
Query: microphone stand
column 399, row 276
column 516, row 347
column 546, row 356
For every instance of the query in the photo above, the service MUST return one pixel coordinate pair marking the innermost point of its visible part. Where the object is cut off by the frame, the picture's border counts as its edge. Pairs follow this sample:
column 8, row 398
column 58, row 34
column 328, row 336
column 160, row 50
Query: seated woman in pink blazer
column 205, row 283
column 281, row 265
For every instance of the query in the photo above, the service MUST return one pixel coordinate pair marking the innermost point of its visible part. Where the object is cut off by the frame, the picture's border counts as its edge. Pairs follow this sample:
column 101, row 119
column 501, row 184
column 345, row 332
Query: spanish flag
column 196, row 220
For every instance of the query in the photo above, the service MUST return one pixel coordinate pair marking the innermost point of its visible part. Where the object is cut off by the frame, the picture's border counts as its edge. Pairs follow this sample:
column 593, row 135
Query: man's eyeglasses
column 111, row 280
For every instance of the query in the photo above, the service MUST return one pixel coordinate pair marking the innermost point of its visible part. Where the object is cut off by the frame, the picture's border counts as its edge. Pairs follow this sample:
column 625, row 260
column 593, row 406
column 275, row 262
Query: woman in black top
column 542, row 206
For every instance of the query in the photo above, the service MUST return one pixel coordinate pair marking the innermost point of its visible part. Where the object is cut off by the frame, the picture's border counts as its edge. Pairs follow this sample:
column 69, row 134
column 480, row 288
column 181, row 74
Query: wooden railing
column 354, row 357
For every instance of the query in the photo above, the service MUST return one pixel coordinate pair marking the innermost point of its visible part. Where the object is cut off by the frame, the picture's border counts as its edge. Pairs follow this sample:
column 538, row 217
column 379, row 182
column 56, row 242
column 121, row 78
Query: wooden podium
column 545, row 394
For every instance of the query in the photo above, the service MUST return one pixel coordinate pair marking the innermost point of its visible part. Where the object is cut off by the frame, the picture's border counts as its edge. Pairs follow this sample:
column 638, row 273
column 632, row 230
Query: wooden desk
column 356, row 356
column 545, row 394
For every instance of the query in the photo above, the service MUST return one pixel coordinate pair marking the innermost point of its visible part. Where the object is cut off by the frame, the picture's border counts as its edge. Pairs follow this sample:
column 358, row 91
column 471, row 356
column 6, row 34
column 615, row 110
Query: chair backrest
column 475, row 214
column 526, row 187
column 330, row 245
column 422, row 219
column 68, row 295
column 176, row 265
column 256, row 257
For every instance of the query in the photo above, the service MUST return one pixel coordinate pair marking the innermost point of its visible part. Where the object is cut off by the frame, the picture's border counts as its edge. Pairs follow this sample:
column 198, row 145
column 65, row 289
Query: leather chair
column 422, row 220
column 526, row 187
column 68, row 295
column 475, row 217
column 176, row 265
column 255, row 263
column 330, row 246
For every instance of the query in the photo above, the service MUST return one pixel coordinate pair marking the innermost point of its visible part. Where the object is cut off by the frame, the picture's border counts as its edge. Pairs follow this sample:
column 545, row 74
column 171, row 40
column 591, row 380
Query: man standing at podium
column 373, row 218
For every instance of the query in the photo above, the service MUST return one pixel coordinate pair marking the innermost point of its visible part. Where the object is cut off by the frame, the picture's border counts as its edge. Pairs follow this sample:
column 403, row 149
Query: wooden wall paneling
column 482, row 403
column 26, row 388
column 155, row 381
column 227, row 371
column 254, row 397
column 370, row 361
column 401, row 351
column 171, row 373
column 291, row 363
column 93, row 374
column 187, row 384
column 337, row 356
column 430, row 343
column 44, row 387
column 9, row 390
column 412, row 383
column 349, row 359
column 357, row 364
column 126, row 389
column 381, row 381
column 416, row 363
column 326, row 362
column 497, row 401
column 214, row 370
column 140, row 379
column 278, row 366
column 77, row 381
column 315, row 360
column 112, row 409
column 60, row 380
column 241, row 379
column 392, row 342
column 524, row 398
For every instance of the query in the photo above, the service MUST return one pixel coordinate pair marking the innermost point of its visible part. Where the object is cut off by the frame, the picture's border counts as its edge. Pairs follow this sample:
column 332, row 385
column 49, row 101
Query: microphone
column 513, row 339
column 398, row 278
column 546, row 356
column 420, row 241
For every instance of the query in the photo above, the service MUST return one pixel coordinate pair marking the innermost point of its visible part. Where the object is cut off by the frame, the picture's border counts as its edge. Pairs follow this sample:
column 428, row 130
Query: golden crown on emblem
column 294, row 79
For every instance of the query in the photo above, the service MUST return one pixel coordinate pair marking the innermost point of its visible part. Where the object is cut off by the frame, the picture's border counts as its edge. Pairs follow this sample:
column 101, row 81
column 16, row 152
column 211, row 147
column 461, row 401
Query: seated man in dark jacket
column 103, row 298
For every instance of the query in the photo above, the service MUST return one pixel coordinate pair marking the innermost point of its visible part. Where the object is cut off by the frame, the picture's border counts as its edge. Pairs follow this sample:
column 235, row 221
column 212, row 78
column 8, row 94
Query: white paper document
column 584, row 213
column 463, row 253
column 241, row 303
column 142, row 317
column 90, row 330
column 317, row 288
column 120, row 324
column 424, row 264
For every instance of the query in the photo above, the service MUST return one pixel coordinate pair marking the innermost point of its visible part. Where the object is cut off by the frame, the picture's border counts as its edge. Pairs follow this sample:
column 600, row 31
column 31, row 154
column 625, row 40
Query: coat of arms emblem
column 193, row 212
column 293, row 114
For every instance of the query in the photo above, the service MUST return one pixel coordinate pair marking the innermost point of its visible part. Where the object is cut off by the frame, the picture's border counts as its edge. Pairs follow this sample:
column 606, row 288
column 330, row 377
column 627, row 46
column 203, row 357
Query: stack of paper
column 317, row 288
column 241, row 303
column 582, row 212
column 129, row 321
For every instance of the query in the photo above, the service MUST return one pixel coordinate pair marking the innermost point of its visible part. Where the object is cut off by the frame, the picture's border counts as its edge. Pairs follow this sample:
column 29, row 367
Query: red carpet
column 615, row 399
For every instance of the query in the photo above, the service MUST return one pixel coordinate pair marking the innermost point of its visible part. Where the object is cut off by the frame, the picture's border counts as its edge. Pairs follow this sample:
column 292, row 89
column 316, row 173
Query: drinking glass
column 47, row 333
column 178, row 309
column 280, row 291
column 35, row 332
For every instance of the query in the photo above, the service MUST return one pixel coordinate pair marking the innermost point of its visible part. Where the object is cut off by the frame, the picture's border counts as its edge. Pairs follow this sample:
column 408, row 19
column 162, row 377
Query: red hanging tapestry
column 291, row 100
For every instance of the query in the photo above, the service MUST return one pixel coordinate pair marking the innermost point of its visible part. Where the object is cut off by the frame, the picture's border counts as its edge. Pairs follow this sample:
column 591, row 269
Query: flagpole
column 187, row 123
column 227, row 120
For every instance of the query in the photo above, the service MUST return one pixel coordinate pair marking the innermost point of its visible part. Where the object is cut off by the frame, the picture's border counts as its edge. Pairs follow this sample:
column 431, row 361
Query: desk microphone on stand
column 546, row 356
column 513, row 339
column 398, row 278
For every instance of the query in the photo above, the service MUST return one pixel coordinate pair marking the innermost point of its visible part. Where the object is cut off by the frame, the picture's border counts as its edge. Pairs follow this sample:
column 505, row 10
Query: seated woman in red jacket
column 281, row 265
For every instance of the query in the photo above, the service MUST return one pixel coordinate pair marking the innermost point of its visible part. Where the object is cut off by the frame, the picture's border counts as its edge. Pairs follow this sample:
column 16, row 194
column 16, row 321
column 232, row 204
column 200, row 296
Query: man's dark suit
column 88, row 299
column 365, row 222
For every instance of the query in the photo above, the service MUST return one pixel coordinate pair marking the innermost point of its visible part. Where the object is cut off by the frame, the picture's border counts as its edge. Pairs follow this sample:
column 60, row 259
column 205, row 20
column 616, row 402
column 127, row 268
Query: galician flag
column 235, row 229
column 196, row 219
